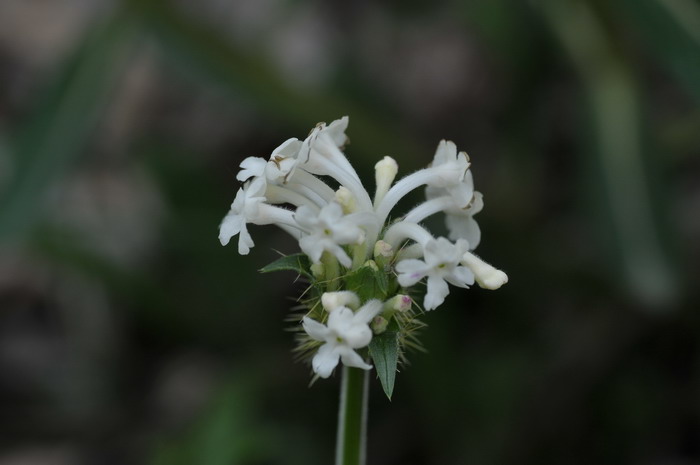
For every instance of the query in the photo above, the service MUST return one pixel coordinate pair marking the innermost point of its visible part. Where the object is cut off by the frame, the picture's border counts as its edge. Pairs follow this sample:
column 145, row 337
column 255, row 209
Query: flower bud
column 486, row 275
column 383, row 249
column 318, row 270
column 346, row 200
column 379, row 324
column 398, row 303
column 384, row 173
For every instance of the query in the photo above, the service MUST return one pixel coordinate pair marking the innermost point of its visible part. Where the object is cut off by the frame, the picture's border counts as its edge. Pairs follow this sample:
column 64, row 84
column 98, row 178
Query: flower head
column 310, row 190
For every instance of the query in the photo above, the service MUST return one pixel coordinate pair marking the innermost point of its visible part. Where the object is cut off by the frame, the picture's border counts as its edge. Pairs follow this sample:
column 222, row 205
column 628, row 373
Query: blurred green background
column 129, row 335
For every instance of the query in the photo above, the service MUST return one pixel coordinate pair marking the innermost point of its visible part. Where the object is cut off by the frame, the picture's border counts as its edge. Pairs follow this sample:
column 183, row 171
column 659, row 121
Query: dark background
column 129, row 335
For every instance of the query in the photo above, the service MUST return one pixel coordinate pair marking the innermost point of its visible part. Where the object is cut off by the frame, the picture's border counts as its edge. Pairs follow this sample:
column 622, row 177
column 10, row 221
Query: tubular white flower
column 320, row 155
column 280, row 194
column 344, row 332
column 452, row 173
column 441, row 265
column 447, row 171
column 249, row 207
column 244, row 206
column 402, row 230
column 486, row 275
column 327, row 230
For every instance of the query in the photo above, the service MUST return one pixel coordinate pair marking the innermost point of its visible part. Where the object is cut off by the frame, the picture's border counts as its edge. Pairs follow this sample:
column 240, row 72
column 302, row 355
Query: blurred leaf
column 384, row 350
column 671, row 29
column 62, row 122
column 226, row 434
column 298, row 262
column 623, row 181
column 199, row 49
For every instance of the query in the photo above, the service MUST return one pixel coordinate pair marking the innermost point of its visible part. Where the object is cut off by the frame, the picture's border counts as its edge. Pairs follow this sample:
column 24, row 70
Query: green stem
column 352, row 417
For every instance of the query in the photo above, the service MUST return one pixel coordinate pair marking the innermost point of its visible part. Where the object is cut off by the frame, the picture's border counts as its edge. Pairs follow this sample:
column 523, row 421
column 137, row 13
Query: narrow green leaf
column 384, row 350
column 671, row 30
column 297, row 262
column 54, row 136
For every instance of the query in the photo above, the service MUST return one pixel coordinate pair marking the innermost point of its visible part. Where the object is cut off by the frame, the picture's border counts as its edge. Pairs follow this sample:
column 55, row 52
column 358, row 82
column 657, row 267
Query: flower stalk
column 351, row 441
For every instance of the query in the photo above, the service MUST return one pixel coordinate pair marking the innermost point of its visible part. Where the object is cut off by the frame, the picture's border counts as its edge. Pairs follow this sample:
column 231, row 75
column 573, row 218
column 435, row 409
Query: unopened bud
column 486, row 275
column 318, row 270
column 399, row 303
column 383, row 249
column 379, row 324
column 346, row 200
column 384, row 173
column 371, row 264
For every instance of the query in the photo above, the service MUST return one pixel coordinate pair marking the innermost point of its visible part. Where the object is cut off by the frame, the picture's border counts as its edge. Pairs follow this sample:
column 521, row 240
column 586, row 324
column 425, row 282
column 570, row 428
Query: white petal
column 461, row 276
column 357, row 336
column 437, row 291
column 368, row 311
column 462, row 194
column 230, row 226
column 325, row 360
column 245, row 242
column 306, row 217
column 352, row 359
column 311, row 246
column 410, row 271
column 287, row 149
column 339, row 253
column 336, row 131
column 464, row 227
column 251, row 167
column 340, row 320
column 315, row 329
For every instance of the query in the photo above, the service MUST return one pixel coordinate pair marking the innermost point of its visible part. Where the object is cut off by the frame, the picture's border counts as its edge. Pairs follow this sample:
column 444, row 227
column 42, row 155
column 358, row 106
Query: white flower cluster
column 344, row 226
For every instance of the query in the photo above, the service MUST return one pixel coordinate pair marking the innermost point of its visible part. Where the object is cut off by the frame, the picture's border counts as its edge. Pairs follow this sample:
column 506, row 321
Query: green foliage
column 384, row 350
column 298, row 262
column 54, row 136
column 368, row 282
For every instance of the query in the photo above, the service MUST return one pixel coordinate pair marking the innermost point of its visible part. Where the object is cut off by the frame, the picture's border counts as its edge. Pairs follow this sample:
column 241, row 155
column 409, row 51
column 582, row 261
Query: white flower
column 283, row 161
column 344, row 332
column 461, row 223
column 323, row 138
column 327, row 230
column 278, row 169
column 440, row 264
column 450, row 172
column 244, row 207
